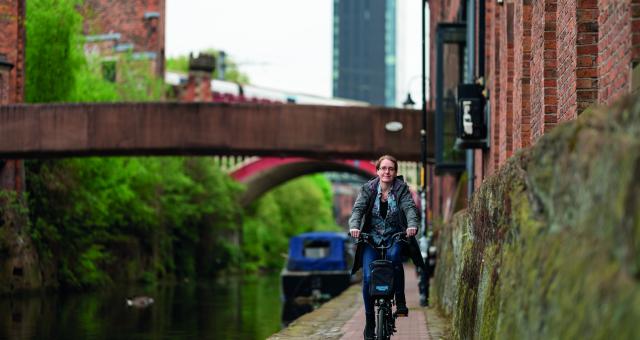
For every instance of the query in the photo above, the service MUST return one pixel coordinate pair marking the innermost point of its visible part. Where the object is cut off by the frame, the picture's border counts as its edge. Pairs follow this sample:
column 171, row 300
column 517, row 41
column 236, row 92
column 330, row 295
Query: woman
column 384, row 207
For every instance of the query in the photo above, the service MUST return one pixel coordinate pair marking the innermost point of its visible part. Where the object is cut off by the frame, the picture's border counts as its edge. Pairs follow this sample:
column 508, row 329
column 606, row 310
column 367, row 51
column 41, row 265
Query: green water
column 229, row 308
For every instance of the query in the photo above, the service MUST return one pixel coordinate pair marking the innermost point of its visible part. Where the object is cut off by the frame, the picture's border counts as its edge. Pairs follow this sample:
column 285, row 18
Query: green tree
column 304, row 204
column 99, row 220
column 52, row 56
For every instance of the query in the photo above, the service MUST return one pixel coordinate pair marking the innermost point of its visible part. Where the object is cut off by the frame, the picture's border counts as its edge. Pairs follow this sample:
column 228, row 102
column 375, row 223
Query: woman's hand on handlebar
column 412, row 232
column 355, row 233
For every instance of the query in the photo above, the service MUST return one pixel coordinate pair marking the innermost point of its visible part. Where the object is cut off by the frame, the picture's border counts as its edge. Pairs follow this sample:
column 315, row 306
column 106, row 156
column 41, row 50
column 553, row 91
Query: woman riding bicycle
column 384, row 206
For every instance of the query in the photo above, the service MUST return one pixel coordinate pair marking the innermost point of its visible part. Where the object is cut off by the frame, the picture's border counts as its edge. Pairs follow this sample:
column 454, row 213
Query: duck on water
column 139, row 301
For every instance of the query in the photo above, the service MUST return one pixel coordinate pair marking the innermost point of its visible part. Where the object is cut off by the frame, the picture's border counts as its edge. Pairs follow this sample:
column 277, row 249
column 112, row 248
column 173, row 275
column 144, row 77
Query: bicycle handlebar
column 399, row 236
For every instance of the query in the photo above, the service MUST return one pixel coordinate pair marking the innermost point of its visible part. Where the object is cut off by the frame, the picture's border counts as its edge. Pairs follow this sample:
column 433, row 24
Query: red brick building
column 541, row 63
column 12, row 33
column 12, row 51
column 133, row 26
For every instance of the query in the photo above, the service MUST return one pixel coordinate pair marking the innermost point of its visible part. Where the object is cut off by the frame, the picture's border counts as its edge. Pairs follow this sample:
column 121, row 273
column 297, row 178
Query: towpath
column 342, row 318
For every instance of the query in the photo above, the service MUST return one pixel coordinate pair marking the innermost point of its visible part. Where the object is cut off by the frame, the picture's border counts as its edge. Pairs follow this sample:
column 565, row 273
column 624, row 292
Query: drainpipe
column 469, row 75
column 423, row 131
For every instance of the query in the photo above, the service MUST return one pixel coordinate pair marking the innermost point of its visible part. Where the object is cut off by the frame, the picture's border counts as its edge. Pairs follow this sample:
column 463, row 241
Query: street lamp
column 423, row 239
column 423, row 131
column 408, row 103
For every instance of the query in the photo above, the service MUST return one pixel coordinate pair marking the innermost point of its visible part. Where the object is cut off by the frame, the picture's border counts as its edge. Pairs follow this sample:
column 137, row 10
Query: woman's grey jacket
column 361, row 217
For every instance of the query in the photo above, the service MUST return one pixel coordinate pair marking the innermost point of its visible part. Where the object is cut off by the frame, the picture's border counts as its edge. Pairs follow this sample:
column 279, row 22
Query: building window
column 450, row 68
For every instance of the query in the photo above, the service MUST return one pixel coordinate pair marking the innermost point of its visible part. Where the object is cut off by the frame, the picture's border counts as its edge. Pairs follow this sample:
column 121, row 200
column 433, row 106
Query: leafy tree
column 57, row 69
column 52, row 56
column 99, row 220
column 295, row 207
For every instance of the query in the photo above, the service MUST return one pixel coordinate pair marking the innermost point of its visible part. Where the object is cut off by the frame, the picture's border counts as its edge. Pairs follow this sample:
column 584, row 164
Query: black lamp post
column 423, row 131
column 424, row 242
column 408, row 102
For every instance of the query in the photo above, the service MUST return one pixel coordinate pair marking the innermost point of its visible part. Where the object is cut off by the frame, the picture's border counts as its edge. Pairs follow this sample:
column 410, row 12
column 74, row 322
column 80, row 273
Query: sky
column 282, row 44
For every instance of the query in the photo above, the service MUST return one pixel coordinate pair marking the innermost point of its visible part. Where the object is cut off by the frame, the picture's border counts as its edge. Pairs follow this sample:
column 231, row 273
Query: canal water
column 230, row 308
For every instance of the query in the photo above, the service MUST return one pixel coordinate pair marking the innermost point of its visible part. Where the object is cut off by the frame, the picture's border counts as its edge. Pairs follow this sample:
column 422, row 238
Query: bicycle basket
column 381, row 283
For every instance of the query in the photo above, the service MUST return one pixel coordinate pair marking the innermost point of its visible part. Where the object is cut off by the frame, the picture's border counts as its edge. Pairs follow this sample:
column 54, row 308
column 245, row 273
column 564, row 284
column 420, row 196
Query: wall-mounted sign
column 471, row 117
column 393, row 126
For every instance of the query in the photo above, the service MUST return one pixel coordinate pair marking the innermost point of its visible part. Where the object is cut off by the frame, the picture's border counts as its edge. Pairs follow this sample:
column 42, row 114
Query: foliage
column 98, row 220
column 173, row 215
column 13, row 213
column 57, row 69
column 88, row 210
column 232, row 73
column 135, row 81
column 51, row 51
column 304, row 204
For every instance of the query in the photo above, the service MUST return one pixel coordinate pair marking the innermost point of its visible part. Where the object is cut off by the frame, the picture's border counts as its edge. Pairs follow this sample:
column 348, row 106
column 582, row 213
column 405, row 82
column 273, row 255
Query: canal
column 229, row 308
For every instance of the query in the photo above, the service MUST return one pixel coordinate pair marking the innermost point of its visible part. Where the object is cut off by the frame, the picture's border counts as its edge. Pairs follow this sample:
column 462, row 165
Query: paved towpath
column 342, row 318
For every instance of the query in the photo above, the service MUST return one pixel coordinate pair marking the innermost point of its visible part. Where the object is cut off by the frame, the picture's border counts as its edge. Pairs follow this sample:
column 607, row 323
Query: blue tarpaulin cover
column 334, row 259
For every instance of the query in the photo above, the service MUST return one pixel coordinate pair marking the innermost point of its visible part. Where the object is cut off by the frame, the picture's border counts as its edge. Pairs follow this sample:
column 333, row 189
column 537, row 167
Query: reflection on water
column 230, row 308
column 292, row 310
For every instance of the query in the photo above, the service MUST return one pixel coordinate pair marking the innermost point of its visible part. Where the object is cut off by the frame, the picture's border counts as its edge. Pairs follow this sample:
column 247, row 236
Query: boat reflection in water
column 317, row 269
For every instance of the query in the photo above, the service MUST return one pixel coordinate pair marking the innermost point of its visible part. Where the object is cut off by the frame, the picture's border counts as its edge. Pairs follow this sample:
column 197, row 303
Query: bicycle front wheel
column 382, row 333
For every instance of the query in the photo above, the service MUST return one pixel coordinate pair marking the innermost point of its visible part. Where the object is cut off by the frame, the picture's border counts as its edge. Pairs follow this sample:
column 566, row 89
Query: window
column 450, row 59
column 316, row 249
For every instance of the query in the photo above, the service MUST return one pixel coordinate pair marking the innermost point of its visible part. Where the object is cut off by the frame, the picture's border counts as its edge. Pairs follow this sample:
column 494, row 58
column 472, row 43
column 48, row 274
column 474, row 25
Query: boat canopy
column 318, row 250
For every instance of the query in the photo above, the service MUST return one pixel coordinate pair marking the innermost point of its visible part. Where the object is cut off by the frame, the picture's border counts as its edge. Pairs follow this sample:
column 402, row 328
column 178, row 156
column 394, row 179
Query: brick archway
column 266, row 173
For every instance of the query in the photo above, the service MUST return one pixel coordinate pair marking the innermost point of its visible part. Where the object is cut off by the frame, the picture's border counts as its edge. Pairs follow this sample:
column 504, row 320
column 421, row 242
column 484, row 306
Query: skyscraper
column 364, row 50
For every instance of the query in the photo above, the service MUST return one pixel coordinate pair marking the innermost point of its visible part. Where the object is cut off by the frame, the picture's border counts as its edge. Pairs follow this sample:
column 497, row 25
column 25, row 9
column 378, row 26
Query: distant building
column 114, row 27
column 12, row 51
column 364, row 50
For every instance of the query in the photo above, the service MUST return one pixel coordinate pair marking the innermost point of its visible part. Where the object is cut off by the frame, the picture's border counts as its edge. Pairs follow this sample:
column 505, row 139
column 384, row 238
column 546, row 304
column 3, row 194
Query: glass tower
column 364, row 50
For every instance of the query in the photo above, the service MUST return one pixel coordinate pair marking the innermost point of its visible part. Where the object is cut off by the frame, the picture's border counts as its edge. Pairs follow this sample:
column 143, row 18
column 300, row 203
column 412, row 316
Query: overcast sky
column 280, row 44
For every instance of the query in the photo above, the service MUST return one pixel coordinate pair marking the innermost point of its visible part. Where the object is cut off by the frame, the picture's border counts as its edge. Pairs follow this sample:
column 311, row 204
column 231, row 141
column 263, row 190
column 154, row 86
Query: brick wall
column 614, row 49
column 12, row 36
column 483, row 160
column 197, row 88
column 506, row 78
column 439, row 11
column 537, row 45
column 567, row 60
column 635, row 31
column 12, row 51
column 545, row 62
column 523, row 12
column 586, row 55
column 138, row 25
column 442, row 188
column 550, row 65
column 496, row 88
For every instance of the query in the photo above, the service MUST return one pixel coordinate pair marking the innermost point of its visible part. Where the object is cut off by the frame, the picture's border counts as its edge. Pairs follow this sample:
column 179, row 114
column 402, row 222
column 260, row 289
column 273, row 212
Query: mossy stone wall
column 549, row 247
column 19, row 264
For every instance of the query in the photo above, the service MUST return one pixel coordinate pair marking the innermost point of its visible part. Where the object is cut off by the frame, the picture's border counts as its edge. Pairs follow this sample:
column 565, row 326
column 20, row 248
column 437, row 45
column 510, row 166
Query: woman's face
column 387, row 171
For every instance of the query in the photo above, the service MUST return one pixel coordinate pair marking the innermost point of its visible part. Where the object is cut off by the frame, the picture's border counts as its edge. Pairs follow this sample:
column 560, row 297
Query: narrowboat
column 318, row 266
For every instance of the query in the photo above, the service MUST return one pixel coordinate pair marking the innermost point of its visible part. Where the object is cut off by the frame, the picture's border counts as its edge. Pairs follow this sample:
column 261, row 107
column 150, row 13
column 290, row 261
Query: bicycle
column 381, row 286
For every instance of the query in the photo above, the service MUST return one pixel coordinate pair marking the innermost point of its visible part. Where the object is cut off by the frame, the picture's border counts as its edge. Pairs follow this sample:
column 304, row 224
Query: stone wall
column 549, row 247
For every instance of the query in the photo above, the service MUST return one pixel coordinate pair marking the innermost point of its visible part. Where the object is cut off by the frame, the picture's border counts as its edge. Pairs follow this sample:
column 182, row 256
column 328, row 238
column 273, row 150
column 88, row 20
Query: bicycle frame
column 385, row 320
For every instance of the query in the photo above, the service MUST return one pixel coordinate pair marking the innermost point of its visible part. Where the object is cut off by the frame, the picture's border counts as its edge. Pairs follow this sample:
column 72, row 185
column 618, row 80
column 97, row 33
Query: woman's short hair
column 387, row 157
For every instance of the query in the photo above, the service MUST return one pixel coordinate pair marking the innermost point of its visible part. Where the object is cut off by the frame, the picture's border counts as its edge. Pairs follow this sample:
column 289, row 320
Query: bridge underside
column 267, row 179
column 58, row 130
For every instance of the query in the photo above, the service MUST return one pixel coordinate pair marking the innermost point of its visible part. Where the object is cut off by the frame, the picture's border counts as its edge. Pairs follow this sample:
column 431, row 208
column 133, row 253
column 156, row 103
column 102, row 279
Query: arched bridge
column 263, row 174
column 323, row 132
